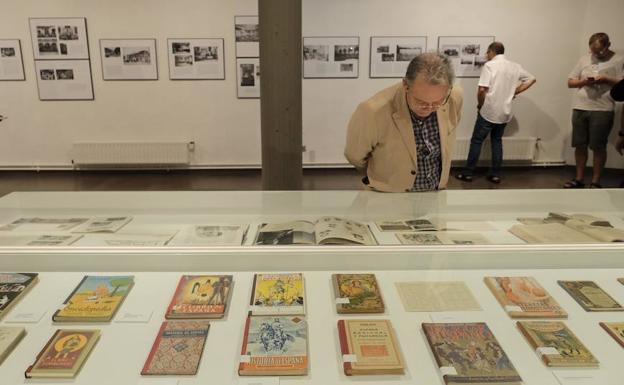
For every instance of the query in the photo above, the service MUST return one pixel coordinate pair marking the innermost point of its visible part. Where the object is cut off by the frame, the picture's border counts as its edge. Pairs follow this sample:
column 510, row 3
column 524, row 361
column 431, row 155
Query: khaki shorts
column 591, row 128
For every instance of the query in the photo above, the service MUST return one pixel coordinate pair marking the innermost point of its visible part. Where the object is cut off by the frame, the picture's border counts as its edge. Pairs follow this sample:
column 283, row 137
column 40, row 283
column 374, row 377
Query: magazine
column 325, row 231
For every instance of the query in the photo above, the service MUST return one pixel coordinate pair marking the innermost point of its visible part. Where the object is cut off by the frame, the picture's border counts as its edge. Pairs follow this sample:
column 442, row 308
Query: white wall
column 546, row 37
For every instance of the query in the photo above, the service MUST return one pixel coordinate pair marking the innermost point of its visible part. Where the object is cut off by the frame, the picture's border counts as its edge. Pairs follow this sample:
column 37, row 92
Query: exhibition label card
column 579, row 377
column 27, row 316
column 135, row 316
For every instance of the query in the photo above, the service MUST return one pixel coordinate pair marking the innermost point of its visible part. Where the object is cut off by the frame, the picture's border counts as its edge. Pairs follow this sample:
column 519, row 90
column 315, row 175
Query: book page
column 550, row 233
column 288, row 233
column 102, row 225
column 211, row 235
column 442, row 238
column 333, row 230
column 436, row 296
column 600, row 233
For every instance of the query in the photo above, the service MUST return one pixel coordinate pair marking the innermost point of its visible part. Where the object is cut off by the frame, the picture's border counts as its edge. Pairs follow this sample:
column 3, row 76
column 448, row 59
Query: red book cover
column 200, row 296
column 344, row 346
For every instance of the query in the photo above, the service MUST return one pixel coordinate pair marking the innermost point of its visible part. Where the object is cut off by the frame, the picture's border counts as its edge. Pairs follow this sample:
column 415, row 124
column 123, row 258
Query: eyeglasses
column 429, row 106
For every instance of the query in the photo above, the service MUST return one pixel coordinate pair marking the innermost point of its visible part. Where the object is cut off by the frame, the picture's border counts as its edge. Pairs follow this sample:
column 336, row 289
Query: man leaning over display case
column 402, row 138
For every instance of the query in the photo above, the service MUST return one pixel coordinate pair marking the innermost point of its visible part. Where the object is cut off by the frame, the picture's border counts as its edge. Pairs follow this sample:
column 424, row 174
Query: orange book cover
column 200, row 296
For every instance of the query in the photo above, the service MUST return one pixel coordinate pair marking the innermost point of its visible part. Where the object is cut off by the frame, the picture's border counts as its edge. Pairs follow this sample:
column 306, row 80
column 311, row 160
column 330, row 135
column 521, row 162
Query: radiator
column 514, row 148
column 131, row 154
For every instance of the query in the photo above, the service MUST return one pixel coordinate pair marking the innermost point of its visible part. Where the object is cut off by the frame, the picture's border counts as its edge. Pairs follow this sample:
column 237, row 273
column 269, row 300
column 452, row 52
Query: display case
column 125, row 342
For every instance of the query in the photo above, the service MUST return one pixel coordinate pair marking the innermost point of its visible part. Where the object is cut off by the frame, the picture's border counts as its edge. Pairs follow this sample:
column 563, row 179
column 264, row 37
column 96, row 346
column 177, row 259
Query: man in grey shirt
column 592, row 115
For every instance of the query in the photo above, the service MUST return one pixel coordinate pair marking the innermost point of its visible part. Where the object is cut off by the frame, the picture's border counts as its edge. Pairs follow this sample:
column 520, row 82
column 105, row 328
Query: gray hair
column 433, row 67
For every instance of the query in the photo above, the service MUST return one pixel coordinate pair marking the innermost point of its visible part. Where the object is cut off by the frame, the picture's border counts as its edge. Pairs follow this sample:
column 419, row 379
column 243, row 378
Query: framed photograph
column 248, row 78
column 196, row 59
column 59, row 38
column 64, row 79
column 390, row 56
column 247, row 36
column 467, row 53
column 129, row 59
column 11, row 62
column 331, row 57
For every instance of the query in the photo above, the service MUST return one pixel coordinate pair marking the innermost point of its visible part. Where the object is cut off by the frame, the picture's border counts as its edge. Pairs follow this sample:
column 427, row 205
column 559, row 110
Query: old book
column 64, row 354
column 95, row 299
column 590, row 296
column 281, row 293
column 437, row 296
column 200, row 296
column 102, row 225
column 468, row 353
column 442, row 238
column 615, row 330
column 274, row 346
column 369, row 347
column 13, row 287
column 177, row 349
column 524, row 297
column 556, row 344
column 9, row 338
column 325, row 231
column 357, row 293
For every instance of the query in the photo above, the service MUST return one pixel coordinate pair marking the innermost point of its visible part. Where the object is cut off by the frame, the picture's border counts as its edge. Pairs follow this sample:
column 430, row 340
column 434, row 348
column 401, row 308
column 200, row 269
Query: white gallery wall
column 547, row 37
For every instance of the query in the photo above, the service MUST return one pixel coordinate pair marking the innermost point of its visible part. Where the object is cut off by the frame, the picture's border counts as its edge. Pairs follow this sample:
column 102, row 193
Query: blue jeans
column 481, row 130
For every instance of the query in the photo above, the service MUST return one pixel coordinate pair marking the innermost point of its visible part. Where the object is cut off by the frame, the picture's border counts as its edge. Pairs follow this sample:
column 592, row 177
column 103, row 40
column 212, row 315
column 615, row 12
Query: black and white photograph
column 248, row 78
column 247, row 36
column 331, row 57
column 59, row 38
column 196, row 59
column 64, row 80
column 7, row 52
column 129, row 59
column 467, row 53
column 390, row 55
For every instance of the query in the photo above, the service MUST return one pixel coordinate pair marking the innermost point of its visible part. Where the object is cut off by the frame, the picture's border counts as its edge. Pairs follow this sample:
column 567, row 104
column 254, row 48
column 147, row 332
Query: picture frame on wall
column 390, row 55
column 64, row 79
column 129, row 59
column 467, row 53
column 196, row 59
column 247, row 36
column 331, row 57
column 11, row 60
column 59, row 38
column 248, row 78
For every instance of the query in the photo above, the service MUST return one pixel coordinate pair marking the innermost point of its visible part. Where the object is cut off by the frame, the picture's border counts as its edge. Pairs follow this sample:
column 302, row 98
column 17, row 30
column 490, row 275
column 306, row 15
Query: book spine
column 253, row 290
column 27, row 374
column 336, row 285
column 378, row 293
column 612, row 334
column 155, row 346
column 181, row 282
column 344, row 347
column 241, row 365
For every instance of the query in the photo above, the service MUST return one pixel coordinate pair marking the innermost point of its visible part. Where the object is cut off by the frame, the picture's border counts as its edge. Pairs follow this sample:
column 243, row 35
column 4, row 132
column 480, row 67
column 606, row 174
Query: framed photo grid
column 331, row 57
column 129, row 59
column 467, row 53
column 64, row 79
column 11, row 60
column 196, row 59
column 247, row 36
column 390, row 55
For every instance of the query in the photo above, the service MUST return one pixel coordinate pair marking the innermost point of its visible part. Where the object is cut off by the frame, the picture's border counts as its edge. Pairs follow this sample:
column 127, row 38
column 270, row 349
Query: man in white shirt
column 501, row 80
column 593, row 108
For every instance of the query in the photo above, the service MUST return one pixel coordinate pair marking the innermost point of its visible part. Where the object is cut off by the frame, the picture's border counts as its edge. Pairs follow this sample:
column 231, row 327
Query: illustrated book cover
column 200, row 296
column 615, row 330
column 524, row 297
column 177, row 349
column 325, row 231
column 369, row 347
column 357, row 293
column 95, row 299
column 556, row 344
column 468, row 353
column 590, row 296
column 9, row 338
column 274, row 346
column 282, row 293
column 13, row 287
column 64, row 354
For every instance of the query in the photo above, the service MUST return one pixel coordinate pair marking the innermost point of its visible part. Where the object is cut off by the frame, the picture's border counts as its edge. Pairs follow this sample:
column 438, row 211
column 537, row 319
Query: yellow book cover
column 281, row 293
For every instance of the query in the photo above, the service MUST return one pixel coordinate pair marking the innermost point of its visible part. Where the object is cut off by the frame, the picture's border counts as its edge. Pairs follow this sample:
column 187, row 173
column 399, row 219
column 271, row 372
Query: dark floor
column 314, row 179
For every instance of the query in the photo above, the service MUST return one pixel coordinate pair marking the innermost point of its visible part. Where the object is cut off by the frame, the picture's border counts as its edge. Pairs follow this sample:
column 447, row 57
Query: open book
column 562, row 218
column 572, row 231
column 324, row 231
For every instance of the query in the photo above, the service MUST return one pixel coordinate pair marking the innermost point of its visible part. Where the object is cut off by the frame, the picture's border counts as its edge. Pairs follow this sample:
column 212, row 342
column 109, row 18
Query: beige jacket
column 381, row 144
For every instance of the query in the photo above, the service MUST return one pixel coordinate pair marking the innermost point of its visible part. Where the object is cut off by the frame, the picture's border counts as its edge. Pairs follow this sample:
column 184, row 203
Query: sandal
column 493, row 178
column 595, row 185
column 464, row 177
column 574, row 183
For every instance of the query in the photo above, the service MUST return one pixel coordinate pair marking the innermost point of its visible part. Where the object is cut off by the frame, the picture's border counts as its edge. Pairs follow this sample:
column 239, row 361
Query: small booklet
column 200, row 296
column 9, row 338
column 43, row 225
column 212, row 235
column 556, row 217
column 177, row 349
column 64, row 354
column 556, row 344
column 357, row 293
column 524, row 297
column 274, row 346
column 281, row 293
column 442, row 238
column 102, row 225
column 439, row 296
column 369, row 347
column 571, row 231
column 615, row 330
column 325, row 231
column 13, row 287
column 407, row 225
column 95, row 299
column 38, row 240
column 590, row 296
